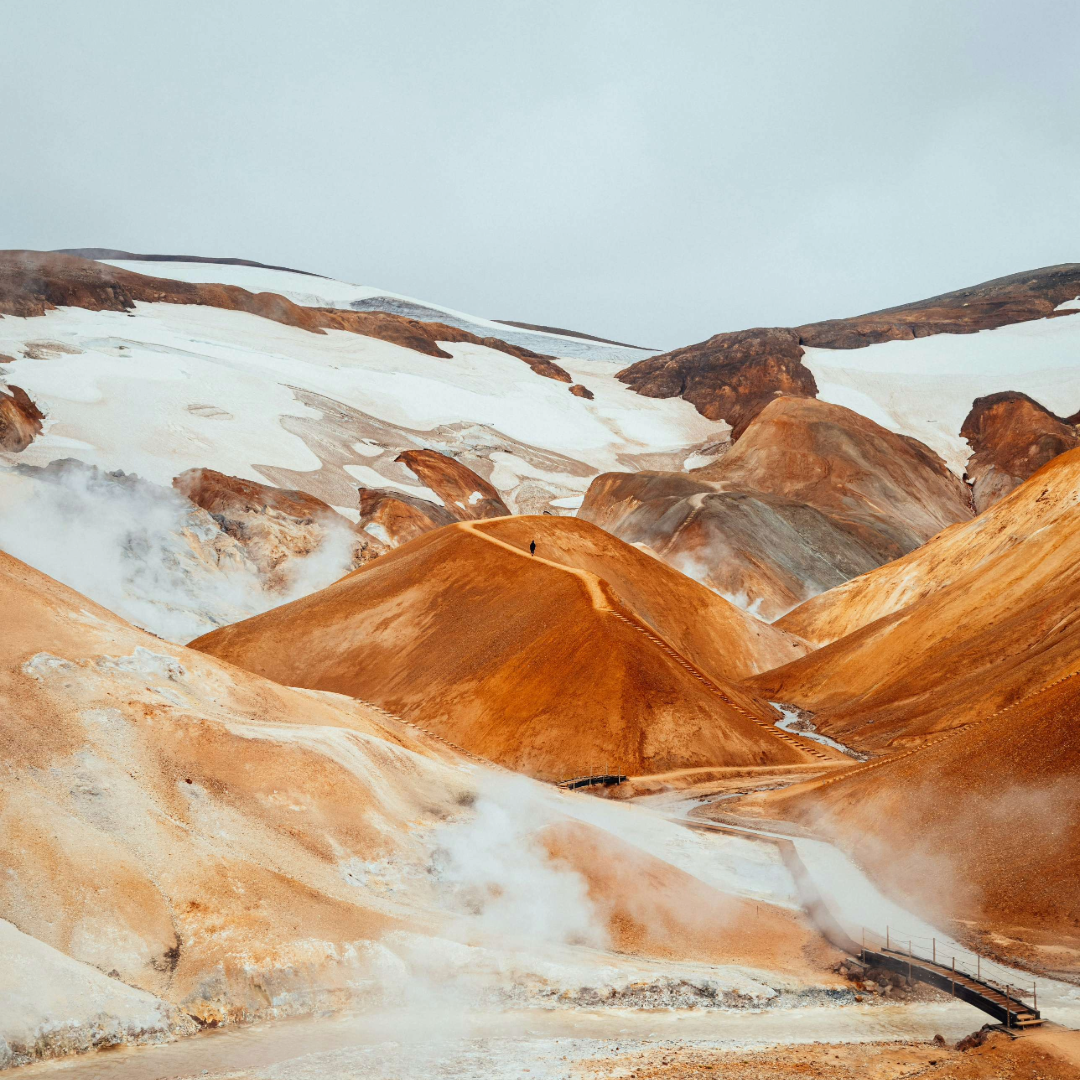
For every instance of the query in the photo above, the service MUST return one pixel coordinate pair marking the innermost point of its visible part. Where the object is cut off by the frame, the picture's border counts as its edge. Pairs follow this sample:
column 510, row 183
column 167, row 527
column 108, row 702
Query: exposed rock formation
column 464, row 494
column 888, row 490
column 582, row 391
column 1012, row 436
column 20, row 419
column 812, row 495
column 1032, row 294
column 528, row 665
column 32, row 282
column 273, row 525
column 971, row 622
column 732, row 376
column 397, row 517
column 761, row 551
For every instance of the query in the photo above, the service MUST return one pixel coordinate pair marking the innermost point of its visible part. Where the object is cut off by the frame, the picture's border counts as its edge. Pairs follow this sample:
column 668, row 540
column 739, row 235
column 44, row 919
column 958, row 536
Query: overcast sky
column 654, row 172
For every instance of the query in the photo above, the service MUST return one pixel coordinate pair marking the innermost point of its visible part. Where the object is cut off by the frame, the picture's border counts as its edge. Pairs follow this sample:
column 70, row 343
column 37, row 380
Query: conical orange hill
column 589, row 655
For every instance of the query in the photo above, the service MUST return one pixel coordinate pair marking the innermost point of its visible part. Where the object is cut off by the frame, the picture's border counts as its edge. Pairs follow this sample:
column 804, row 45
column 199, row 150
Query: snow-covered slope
column 925, row 386
column 312, row 291
column 167, row 388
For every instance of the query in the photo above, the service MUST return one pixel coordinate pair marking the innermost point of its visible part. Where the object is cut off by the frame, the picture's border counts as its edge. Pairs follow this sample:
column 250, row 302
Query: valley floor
column 435, row 1035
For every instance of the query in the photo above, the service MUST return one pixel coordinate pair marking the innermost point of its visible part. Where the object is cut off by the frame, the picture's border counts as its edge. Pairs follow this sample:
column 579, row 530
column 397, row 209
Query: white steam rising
column 497, row 873
column 145, row 552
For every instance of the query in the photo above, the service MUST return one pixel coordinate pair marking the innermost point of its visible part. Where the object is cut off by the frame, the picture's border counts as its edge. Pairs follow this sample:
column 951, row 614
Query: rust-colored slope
column 982, row 825
column 810, row 496
column 589, row 654
column 957, row 629
column 891, row 491
column 761, row 551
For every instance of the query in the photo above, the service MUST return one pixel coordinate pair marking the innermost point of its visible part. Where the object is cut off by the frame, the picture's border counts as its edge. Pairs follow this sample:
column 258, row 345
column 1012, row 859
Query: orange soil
column 888, row 490
column 971, row 622
column 999, row 1058
column 525, row 660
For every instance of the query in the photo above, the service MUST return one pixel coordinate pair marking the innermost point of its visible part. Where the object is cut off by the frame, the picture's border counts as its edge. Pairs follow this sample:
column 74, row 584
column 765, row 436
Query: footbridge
column 966, row 976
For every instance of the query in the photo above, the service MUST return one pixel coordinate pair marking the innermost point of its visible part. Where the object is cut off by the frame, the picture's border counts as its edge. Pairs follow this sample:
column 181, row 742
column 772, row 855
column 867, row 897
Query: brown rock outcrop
column 1011, row 436
column 464, row 494
column 730, row 377
column 20, row 419
column 527, row 665
column 32, row 282
column 399, row 516
column 273, row 525
column 396, row 517
column 581, row 391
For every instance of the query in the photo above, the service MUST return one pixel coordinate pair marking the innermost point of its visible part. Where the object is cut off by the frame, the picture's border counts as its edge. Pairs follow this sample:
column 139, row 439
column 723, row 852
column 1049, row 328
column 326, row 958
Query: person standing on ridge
column 532, row 547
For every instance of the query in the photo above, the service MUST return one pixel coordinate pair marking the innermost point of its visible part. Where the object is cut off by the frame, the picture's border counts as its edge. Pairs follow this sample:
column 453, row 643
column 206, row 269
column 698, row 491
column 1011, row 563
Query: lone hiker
column 532, row 548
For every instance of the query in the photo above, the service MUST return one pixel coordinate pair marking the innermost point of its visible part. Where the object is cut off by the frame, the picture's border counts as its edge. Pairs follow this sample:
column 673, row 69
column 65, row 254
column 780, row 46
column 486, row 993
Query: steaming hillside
column 187, row 844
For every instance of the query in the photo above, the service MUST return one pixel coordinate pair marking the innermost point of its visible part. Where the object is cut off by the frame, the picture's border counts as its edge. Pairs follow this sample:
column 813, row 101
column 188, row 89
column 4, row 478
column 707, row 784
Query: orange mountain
column 589, row 655
column 969, row 623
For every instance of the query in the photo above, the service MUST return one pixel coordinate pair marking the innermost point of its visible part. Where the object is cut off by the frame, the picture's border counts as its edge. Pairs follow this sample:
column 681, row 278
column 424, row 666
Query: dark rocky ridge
column 33, row 282
column 733, row 376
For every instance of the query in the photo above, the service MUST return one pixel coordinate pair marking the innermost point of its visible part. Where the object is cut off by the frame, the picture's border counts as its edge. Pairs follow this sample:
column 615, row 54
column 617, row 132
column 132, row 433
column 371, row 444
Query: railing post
column 934, row 940
column 909, row 961
column 952, row 988
column 886, row 939
column 1035, row 993
column 1008, row 1009
column 862, row 953
column 978, row 967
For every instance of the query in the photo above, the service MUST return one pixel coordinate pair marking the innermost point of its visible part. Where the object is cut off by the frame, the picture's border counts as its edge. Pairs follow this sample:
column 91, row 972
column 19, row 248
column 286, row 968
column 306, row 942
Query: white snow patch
column 925, row 387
